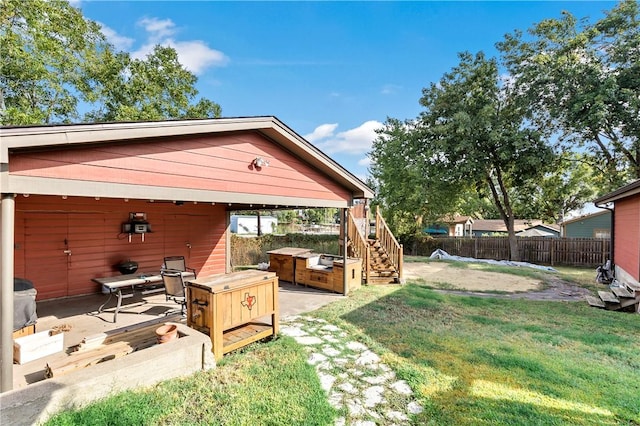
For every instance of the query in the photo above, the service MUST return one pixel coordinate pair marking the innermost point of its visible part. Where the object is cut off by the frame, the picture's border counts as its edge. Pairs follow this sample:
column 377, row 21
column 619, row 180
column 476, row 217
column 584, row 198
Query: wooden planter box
column 281, row 261
column 233, row 309
column 326, row 272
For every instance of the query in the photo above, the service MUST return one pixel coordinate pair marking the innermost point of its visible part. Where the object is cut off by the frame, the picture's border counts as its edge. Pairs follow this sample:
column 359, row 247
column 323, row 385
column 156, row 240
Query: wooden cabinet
column 234, row 309
column 281, row 261
column 309, row 271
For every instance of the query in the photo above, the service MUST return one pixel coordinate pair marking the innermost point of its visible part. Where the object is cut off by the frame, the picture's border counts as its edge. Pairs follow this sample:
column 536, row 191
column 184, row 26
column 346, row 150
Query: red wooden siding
column 627, row 235
column 217, row 163
column 46, row 226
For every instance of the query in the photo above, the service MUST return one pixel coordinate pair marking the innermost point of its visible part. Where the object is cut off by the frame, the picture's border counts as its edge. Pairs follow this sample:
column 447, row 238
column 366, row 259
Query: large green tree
column 411, row 195
column 44, row 47
column 580, row 82
column 477, row 135
column 57, row 67
column 471, row 135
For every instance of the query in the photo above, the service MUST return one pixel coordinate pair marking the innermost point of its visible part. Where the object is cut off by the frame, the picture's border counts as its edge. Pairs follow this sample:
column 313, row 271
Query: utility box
column 234, row 309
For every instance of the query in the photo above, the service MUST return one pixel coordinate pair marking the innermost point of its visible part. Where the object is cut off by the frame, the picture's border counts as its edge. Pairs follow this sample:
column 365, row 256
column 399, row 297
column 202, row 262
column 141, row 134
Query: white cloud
column 158, row 28
column 321, row 132
column 194, row 55
column 390, row 89
column 365, row 162
column 120, row 42
column 353, row 141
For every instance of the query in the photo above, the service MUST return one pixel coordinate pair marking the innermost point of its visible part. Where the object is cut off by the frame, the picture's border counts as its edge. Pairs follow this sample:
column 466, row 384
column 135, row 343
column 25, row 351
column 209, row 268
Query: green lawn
column 470, row 361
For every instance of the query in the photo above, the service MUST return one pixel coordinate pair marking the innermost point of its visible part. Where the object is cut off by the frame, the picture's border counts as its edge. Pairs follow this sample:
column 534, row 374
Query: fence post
column 552, row 254
column 475, row 247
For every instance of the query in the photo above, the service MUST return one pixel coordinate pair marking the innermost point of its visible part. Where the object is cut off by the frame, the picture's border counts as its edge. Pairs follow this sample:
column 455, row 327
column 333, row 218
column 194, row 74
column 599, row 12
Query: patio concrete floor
column 79, row 315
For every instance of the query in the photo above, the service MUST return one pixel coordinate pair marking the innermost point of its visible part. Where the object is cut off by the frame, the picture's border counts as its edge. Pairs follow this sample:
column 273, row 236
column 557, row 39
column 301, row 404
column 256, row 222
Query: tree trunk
column 513, row 240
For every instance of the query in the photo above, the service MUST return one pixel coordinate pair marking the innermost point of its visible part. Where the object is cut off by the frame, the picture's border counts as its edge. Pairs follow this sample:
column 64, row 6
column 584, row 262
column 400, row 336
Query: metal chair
column 177, row 263
column 174, row 289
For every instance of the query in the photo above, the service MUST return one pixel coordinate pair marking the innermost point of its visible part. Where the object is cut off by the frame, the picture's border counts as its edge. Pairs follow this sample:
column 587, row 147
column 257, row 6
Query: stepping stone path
column 364, row 390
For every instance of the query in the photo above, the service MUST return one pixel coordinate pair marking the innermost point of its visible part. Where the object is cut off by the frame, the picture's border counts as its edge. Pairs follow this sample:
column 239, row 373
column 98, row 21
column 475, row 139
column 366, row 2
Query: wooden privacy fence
column 545, row 251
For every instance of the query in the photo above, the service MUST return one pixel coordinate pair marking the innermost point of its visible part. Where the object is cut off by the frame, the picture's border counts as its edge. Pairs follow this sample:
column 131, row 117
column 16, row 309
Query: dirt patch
column 483, row 283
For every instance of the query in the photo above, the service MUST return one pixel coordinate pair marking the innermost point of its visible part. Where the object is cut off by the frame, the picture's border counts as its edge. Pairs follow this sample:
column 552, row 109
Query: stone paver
column 363, row 389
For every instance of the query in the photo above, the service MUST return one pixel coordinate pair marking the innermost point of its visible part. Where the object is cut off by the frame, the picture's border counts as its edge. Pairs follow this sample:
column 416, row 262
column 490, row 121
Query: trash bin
column 24, row 304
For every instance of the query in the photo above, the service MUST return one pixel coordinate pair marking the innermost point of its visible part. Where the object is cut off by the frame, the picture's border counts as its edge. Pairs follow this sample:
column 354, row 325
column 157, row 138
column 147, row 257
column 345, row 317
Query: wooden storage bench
column 281, row 261
column 326, row 272
column 234, row 309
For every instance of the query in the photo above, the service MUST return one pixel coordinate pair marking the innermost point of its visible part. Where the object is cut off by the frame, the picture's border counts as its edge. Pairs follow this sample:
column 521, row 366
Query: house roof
column 57, row 136
column 585, row 216
column 626, row 191
column 536, row 232
column 497, row 225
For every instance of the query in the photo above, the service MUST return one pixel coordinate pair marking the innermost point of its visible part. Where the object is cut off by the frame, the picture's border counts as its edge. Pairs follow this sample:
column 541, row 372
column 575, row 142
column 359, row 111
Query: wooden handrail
column 358, row 245
column 389, row 243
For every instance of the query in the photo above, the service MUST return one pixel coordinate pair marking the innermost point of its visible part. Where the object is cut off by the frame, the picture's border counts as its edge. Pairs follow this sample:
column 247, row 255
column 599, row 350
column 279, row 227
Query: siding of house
column 627, row 235
column 46, row 226
column 586, row 227
column 214, row 162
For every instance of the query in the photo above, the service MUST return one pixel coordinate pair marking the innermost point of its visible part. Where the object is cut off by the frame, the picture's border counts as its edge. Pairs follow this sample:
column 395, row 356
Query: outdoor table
column 132, row 282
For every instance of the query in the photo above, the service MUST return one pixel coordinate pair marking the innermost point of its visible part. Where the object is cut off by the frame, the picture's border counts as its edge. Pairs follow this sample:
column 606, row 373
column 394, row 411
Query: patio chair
column 174, row 289
column 177, row 263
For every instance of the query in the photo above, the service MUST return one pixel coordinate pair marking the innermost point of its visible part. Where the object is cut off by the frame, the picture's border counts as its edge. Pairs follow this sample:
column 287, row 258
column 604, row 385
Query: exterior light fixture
column 260, row 162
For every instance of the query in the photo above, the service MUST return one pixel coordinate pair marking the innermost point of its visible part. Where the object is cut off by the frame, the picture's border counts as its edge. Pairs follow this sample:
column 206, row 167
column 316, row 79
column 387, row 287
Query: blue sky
column 332, row 71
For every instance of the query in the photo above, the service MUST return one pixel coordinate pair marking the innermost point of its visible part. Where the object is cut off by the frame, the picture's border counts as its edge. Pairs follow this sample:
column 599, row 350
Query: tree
column 581, row 83
column 409, row 194
column 566, row 187
column 155, row 88
column 54, row 61
column 474, row 133
column 44, row 46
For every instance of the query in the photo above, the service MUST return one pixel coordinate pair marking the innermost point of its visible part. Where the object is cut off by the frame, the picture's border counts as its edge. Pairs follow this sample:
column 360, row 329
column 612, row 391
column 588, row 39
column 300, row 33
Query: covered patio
column 73, row 317
column 72, row 196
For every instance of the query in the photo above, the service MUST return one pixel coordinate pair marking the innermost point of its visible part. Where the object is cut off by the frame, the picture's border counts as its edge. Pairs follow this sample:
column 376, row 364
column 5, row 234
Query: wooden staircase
column 623, row 297
column 382, row 256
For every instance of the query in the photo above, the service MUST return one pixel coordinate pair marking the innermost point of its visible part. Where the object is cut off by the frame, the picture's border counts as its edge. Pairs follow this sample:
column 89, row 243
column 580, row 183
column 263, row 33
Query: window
column 601, row 233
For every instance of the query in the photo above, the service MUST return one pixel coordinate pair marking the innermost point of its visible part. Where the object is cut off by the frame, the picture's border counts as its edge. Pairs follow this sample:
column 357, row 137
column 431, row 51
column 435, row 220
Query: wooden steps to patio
column 620, row 297
column 382, row 271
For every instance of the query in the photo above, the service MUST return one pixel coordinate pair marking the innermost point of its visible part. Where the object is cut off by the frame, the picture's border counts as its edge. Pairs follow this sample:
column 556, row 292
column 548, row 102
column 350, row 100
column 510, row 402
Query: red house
column 68, row 192
column 624, row 204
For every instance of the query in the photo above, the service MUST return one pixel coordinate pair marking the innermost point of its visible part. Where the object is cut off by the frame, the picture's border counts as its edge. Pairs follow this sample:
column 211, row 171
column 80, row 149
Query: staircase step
column 633, row 287
column 608, row 297
column 595, row 302
column 622, row 292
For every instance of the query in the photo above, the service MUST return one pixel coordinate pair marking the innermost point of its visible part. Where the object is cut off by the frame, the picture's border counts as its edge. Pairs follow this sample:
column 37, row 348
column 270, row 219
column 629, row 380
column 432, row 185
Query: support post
column 7, row 221
column 343, row 223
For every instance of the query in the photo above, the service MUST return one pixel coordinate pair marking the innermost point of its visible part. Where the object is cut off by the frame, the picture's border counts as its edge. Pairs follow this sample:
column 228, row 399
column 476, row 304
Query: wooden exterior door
column 61, row 250
column 188, row 236
column 47, row 253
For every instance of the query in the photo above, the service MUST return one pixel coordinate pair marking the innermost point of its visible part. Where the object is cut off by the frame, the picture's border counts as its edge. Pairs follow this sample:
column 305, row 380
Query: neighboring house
column 540, row 230
column 594, row 225
column 491, row 227
column 248, row 224
column 461, row 226
column 625, row 231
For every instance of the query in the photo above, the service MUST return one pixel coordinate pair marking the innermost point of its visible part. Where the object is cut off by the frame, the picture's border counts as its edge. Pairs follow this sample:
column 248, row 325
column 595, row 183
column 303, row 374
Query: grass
column 470, row 361
column 496, row 361
column 267, row 384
